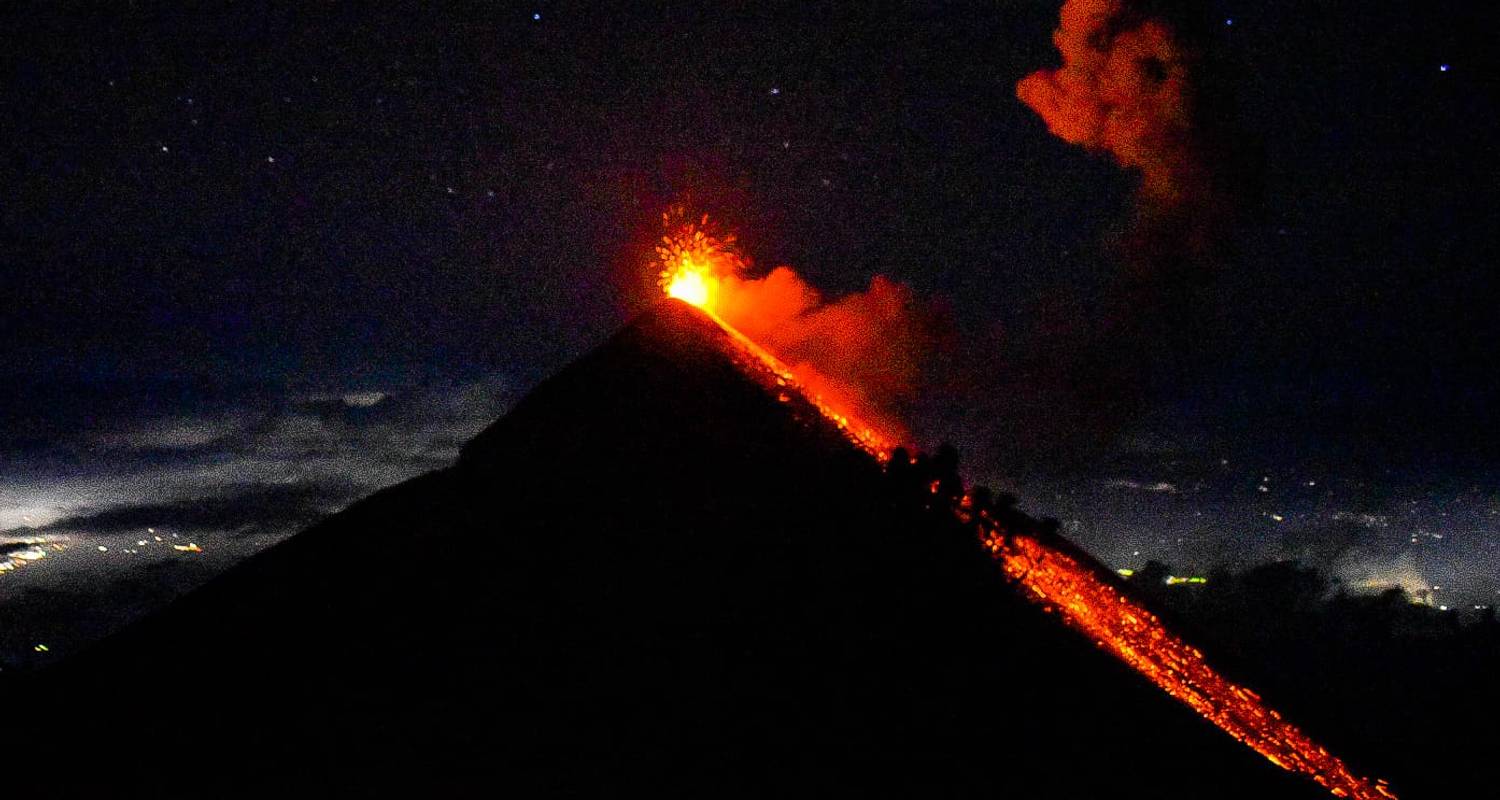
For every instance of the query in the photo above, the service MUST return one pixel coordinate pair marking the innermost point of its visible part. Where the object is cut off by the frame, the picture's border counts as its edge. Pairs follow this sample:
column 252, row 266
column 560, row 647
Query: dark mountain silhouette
column 654, row 573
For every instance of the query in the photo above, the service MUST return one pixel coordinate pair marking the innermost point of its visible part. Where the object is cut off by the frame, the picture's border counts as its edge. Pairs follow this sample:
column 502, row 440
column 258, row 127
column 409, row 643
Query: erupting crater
column 1049, row 571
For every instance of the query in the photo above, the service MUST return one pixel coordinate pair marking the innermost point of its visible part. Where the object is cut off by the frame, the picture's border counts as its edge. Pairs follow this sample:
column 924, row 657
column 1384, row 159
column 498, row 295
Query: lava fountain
column 691, row 286
column 700, row 266
column 694, row 259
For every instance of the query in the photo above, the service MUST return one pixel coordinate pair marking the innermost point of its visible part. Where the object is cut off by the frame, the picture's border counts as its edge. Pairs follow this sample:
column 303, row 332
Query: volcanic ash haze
column 661, row 569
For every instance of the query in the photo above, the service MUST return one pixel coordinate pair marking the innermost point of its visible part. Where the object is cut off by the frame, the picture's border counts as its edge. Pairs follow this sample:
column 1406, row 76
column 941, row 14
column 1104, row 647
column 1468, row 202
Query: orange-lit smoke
column 860, row 353
column 1125, row 87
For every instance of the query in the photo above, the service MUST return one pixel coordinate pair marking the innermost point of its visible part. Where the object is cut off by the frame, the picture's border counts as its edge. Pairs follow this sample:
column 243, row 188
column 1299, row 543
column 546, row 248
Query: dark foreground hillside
column 650, row 575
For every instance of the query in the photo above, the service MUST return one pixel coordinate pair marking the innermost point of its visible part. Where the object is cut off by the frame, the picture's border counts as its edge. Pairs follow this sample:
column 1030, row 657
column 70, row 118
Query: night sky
column 258, row 261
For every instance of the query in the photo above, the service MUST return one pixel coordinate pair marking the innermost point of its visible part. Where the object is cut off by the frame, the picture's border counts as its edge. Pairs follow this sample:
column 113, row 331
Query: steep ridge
column 658, row 571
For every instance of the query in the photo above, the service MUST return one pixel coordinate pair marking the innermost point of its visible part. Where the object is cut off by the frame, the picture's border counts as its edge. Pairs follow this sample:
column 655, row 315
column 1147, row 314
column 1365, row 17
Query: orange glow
column 701, row 266
column 1082, row 592
column 777, row 377
column 695, row 259
column 1095, row 607
column 692, row 284
column 862, row 435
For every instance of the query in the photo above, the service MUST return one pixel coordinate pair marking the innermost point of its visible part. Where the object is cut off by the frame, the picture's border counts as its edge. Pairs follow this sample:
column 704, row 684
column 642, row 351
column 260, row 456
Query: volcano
column 664, row 569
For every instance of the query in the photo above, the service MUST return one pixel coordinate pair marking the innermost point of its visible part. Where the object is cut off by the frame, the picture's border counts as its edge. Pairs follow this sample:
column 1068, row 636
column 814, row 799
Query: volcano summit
column 665, row 569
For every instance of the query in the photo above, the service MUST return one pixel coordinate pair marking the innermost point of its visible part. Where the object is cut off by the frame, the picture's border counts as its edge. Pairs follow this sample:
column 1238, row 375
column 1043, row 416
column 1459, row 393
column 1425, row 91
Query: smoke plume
column 863, row 351
column 1124, row 87
column 1136, row 83
column 1149, row 84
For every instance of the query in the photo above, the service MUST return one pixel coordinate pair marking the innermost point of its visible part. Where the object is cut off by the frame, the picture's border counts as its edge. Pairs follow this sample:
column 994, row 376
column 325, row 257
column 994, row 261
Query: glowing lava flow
column 860, row 434
column 692, row 262
column 1087, row 600
column 1119, row 625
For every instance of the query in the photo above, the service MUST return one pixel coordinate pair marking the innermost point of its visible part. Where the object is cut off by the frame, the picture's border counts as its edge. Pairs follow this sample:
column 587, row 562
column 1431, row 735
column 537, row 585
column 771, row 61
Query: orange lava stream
column 863, row 436
column 1092, row 605
column 1119, row 625
column 694, row 260
column 1088, row 600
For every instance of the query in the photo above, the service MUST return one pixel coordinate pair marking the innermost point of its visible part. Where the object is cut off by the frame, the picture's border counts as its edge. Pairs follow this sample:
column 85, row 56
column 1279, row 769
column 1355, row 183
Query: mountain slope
column 653, row 572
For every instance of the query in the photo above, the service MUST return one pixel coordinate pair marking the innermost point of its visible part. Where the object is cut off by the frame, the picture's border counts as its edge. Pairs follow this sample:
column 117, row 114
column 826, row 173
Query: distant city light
column 366, row 399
